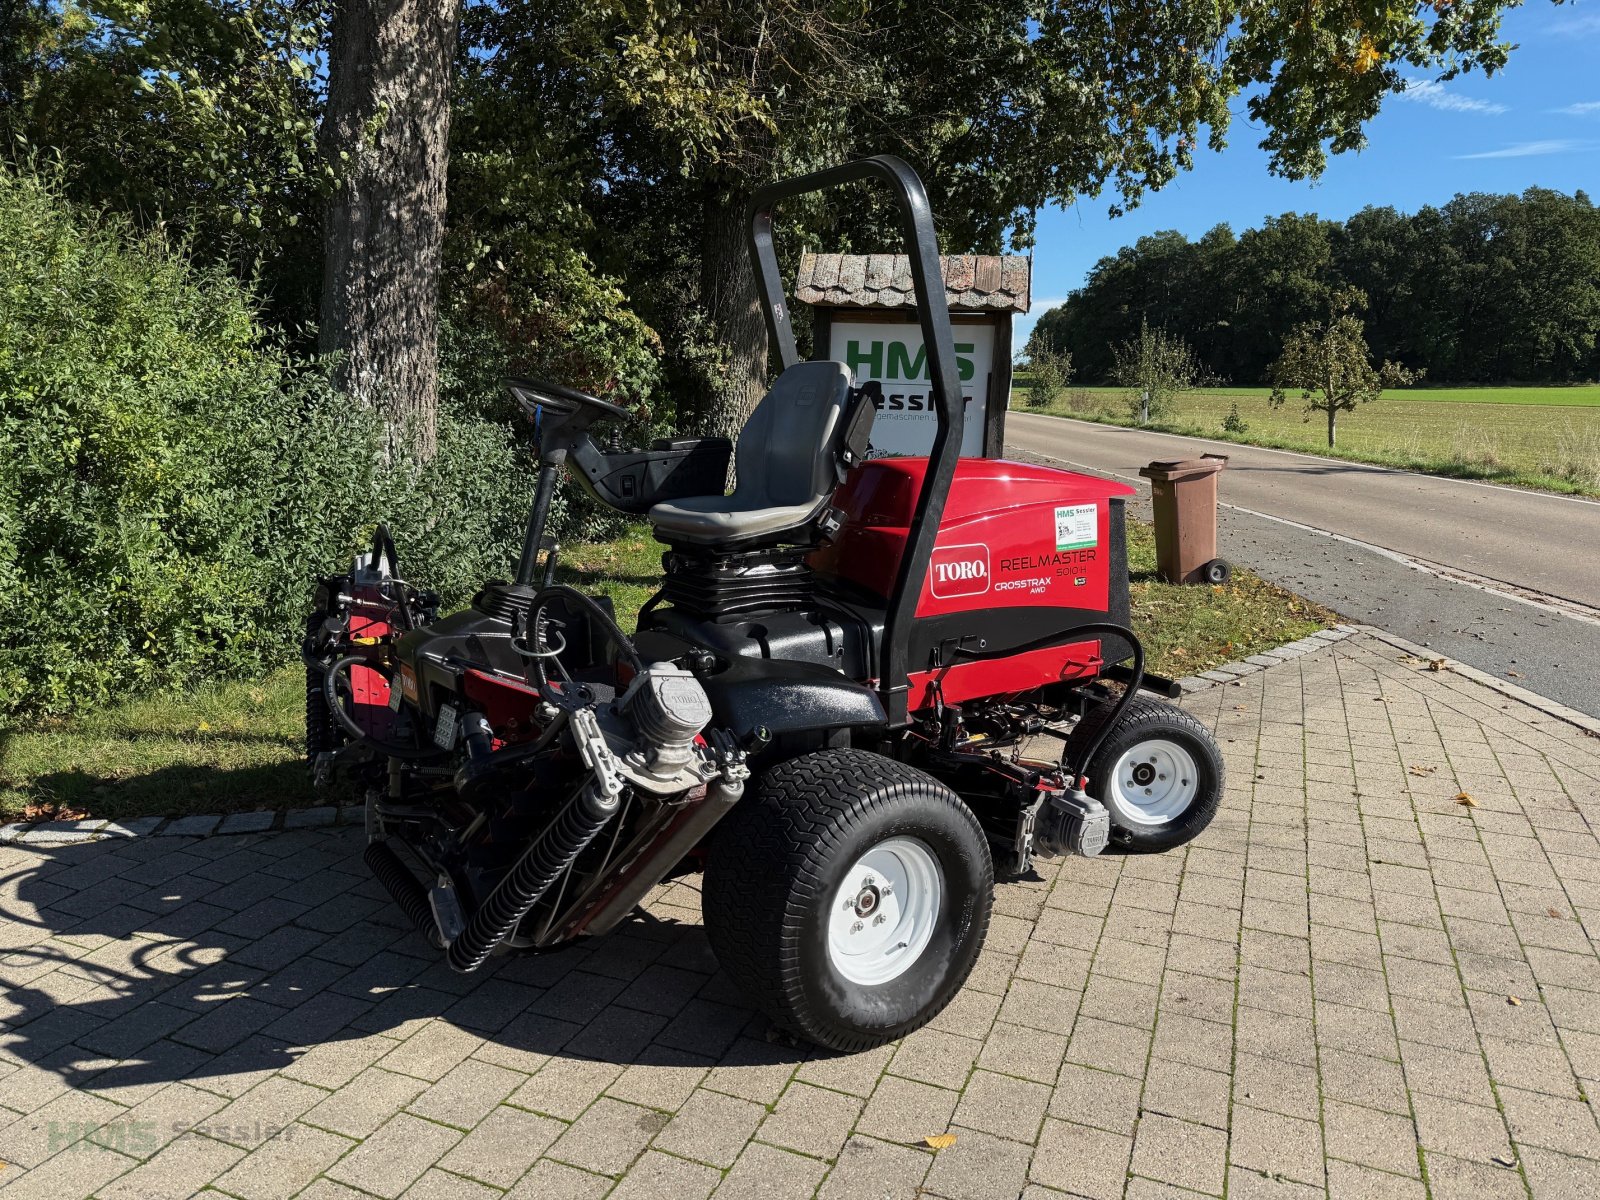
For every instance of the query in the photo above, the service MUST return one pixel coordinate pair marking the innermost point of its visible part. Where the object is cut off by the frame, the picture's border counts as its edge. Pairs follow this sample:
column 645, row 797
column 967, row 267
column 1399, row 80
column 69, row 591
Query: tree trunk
column 387, row 130
column 1333, row 415
column 728, row 287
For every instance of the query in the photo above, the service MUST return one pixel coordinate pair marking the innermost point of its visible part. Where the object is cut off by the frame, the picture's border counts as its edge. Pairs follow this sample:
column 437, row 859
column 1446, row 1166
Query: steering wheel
column 559, row 401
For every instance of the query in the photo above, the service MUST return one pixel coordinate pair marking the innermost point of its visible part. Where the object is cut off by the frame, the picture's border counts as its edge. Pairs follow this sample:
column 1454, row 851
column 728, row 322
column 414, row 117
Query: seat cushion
column 719, row 518
column 786, row 463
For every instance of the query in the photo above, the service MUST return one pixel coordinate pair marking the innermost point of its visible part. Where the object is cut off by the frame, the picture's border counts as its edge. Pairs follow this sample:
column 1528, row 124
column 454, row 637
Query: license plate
column 444, row 733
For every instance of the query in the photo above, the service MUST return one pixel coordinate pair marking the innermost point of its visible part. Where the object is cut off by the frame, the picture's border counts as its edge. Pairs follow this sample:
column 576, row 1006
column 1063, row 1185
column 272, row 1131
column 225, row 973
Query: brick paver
column 1351, row 985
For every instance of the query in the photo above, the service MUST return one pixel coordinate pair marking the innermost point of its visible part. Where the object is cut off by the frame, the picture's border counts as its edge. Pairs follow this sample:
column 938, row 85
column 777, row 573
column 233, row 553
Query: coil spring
column 536, row 871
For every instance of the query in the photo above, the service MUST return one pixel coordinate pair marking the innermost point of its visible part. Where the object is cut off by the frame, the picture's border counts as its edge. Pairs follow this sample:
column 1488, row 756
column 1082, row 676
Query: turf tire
column 775, row 868
column 1144, row 720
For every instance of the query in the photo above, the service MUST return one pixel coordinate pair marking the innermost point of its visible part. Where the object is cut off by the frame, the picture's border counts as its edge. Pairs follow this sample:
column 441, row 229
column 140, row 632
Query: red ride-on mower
column 824, row 707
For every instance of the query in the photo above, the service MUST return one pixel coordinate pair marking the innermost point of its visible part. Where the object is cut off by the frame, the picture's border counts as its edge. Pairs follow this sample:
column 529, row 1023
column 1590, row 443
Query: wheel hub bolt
column 856, row 928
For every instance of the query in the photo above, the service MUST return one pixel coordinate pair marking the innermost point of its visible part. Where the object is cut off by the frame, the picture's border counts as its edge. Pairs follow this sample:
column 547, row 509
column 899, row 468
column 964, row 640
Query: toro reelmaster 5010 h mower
column 823, row 707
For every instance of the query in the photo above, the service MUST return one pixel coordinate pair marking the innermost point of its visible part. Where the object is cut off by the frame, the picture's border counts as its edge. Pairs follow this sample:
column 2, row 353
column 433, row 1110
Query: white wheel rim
column 883, row 913
column 1153, row 783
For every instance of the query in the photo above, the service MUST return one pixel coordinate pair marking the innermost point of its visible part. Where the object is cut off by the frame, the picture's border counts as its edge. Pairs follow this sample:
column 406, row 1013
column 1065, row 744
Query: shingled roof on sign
column 972, row 282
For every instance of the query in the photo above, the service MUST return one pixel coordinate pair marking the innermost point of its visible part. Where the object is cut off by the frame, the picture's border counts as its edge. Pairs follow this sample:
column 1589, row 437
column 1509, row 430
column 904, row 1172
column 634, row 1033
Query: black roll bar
column 933, row 313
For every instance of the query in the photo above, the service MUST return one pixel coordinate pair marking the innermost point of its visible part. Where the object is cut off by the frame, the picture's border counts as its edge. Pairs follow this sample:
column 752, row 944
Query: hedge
column 171, row 477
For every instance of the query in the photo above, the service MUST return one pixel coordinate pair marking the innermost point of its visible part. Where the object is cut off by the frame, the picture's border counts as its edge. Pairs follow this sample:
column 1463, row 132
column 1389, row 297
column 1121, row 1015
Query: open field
column 1534, row 437
column 1578, row 396
column 233, row 747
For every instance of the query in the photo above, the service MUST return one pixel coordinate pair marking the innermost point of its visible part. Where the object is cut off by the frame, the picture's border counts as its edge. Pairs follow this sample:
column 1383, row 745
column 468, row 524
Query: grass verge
column 1543, row 438
column 235, row 746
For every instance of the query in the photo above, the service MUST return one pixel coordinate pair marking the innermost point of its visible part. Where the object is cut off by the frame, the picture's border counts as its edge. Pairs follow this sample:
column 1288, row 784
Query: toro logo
column 959, row 571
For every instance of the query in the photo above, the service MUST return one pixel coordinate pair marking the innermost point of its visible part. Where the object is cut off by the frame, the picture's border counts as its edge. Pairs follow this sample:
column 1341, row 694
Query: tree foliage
column 600, row 153
column 1048, row 374
column 1483, row 289
column 1329, row 364
column 1156, row 366
column 194, row 117
column 174, row 478
column 662, row 112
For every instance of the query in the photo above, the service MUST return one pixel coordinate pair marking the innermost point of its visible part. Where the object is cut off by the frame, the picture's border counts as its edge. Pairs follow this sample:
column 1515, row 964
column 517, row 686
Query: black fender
column 786, row 697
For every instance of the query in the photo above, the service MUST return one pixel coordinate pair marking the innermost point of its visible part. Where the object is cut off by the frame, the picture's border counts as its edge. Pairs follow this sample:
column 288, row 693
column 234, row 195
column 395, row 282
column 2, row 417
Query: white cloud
column 1576, row 23
column 1433, row 93
column 1527, row 149
column 1584, row 108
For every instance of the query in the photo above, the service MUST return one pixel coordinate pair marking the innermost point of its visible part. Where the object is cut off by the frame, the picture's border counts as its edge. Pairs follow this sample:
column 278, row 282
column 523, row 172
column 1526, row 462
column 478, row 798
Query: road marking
column 1321, row 458
column 1558, row 605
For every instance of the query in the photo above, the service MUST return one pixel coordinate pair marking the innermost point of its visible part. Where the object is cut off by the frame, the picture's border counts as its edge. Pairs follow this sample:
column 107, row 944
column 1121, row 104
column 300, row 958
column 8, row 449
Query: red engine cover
column 1013, row 535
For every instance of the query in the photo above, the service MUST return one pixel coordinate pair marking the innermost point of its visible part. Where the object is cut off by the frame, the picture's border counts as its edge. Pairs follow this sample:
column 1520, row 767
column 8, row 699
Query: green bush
column 1049, row 370
column 171, row 479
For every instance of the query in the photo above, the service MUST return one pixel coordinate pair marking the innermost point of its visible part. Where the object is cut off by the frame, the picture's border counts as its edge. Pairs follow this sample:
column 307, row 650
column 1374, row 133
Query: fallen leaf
column 1436, row 664
column 1553, row 913
column 1514, row 674
column 205, row 726
column 1416, row 770
column 1514, row 1001
column 1465, row 800
column 940, row 1141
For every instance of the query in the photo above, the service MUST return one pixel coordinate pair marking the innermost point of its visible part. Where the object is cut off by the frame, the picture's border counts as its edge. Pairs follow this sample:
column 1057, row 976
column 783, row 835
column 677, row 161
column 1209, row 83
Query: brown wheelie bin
column 1184, row 492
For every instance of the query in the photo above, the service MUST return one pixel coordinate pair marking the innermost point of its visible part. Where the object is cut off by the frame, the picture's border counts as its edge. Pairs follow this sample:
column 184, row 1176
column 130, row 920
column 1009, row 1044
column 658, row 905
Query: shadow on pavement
column 130, row 962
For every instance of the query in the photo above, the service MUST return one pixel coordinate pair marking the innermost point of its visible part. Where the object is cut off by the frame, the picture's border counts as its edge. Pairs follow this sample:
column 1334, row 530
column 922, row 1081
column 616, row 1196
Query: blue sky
column 1537, row 123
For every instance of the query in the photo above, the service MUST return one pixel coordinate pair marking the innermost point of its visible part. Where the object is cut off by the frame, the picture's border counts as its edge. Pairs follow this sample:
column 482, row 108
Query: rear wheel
column 849, row 896
column 1159, row 772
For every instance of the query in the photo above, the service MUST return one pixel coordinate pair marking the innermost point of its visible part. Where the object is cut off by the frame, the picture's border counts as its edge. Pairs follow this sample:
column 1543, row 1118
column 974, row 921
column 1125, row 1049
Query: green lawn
column 1534, row 437
column 233, row 747
column 1585, row 395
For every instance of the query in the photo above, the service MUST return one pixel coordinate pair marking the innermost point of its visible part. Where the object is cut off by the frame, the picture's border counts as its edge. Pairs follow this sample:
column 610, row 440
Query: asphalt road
column 1503, row 579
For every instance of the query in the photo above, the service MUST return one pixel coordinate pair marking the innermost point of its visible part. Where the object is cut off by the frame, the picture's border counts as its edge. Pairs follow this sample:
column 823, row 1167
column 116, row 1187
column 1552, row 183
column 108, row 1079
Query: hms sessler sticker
column 1077, row 526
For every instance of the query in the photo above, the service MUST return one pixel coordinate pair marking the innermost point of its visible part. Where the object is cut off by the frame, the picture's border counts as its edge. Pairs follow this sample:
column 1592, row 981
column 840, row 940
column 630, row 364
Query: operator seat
column 791, row 455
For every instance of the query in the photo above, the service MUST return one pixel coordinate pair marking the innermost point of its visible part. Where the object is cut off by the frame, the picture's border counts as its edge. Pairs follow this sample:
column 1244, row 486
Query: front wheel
column 849, row 897
column 1158, row 771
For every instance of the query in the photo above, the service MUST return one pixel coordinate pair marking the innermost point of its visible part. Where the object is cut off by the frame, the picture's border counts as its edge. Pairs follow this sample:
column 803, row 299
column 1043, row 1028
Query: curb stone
column 56, row 833
column 1534, row 700
column 248, row 822
column 310, row 818
column 197, row 826
column 1230, row 672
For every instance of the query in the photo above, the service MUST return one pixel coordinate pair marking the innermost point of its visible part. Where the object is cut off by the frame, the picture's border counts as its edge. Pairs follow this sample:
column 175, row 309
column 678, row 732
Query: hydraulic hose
column 1081, row 767
column 552, row 853
column 535, row 628
column 330, row 692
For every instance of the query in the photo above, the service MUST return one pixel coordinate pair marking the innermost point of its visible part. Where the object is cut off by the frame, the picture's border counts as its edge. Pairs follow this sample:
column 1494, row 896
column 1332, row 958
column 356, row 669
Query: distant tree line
column 1485, row 289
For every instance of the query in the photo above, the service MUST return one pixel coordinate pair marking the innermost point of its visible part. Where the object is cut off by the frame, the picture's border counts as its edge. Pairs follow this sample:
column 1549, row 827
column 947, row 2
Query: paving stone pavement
column 1350, row 985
